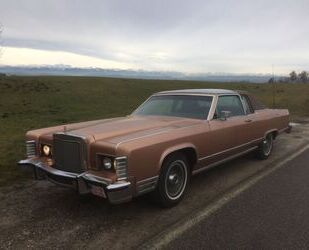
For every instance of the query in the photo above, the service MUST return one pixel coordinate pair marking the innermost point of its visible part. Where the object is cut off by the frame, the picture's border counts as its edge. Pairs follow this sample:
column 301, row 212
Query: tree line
column 294, row 77
column 301, row 77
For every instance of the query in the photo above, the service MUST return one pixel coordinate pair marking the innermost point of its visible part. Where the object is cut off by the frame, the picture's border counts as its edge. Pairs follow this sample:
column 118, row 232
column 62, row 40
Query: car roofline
column 210, row 92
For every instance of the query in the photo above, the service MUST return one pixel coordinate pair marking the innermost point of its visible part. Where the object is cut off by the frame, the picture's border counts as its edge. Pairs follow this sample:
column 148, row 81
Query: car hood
column 127, row 128
column 116, row 130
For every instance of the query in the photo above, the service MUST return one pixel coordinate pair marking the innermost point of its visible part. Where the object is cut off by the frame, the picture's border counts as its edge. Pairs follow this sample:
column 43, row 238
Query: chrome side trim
column 118, row 185
column 284, row 129
column 223, row 161
column 146, row 185
column 184, row 94
column 230, row 149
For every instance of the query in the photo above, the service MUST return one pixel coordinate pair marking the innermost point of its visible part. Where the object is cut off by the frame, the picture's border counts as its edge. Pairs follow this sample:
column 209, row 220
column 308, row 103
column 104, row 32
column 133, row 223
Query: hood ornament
column 65, row 129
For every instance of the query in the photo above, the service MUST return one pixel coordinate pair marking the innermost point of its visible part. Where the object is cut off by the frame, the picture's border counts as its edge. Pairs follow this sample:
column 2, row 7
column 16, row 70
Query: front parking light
column 46, row 150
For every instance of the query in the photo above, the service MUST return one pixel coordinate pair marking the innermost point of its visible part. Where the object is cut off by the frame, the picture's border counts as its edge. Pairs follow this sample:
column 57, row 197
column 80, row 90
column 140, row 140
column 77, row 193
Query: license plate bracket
column 98, row 191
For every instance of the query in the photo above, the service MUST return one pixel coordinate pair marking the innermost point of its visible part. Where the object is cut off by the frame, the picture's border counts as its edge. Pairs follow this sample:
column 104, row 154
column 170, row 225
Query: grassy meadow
column 34, row 102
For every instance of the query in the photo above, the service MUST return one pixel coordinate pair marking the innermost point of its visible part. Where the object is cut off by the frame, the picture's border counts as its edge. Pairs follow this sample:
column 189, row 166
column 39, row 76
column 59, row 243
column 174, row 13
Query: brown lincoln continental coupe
column 171, row 136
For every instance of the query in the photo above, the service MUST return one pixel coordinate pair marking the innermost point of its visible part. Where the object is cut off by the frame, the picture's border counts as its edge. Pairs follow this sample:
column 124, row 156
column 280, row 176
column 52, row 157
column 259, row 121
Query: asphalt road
column 41, row 215
column 273, row 214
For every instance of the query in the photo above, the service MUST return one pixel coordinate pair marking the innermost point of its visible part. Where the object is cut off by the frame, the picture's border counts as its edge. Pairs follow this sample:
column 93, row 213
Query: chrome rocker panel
column 117, row 192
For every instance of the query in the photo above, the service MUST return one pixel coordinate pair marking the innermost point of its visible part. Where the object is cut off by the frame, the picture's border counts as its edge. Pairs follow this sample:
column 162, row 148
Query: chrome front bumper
column 84, row 183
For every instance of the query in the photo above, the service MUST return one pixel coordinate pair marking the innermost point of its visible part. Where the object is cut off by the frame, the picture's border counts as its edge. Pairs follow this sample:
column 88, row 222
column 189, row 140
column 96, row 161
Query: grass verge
column 34, row 102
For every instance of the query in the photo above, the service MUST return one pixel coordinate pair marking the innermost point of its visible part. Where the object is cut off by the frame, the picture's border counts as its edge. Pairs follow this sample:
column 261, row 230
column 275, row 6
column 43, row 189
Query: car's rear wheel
column 173, row 180
column 265, row 147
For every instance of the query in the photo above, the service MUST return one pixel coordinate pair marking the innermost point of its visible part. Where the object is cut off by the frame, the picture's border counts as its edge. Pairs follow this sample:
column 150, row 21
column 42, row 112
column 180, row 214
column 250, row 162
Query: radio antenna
column 274, row 86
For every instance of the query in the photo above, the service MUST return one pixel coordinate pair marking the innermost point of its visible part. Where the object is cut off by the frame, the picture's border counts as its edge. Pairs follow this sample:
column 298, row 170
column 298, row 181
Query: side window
column 230, row 103
column 247, row 104
column 194, row 108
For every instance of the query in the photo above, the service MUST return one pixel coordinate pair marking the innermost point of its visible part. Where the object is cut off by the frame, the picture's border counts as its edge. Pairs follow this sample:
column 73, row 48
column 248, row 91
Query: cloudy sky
column 196, row 36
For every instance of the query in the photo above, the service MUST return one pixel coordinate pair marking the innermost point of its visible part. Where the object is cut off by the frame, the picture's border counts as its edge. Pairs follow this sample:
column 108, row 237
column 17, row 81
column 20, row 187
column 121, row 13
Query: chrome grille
column 30, row 149
column 121, row 168
column 70, row 153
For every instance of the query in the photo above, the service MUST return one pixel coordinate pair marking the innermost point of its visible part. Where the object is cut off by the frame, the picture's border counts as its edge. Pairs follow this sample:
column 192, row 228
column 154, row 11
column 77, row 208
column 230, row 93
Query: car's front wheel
column 265, row 147
column 173, row 180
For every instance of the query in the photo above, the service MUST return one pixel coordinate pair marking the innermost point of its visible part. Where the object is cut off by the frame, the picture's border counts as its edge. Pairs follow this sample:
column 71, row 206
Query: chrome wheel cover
column 176, row 179
column 267, row 144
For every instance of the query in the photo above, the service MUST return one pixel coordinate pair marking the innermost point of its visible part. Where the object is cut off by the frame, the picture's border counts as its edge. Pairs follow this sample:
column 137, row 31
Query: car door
column 226, row 133
column 254, row 122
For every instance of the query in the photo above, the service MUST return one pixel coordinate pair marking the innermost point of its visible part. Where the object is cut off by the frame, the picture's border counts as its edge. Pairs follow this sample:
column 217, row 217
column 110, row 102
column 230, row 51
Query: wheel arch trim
column 175, row 149
column 274, row 130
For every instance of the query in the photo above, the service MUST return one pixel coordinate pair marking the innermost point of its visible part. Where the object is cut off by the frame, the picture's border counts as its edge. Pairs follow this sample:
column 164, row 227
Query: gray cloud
column 193, row 36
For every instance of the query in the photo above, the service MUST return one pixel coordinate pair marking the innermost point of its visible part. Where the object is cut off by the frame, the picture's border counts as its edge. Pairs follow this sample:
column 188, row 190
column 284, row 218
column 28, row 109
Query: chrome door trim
column 230, row 149
column 223, row 160
column 146, row 185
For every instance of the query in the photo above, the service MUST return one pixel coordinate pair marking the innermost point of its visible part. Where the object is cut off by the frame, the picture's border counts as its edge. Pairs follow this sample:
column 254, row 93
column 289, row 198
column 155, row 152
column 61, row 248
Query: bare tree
column 271, row 80
column 293, row 76
column 303, row 76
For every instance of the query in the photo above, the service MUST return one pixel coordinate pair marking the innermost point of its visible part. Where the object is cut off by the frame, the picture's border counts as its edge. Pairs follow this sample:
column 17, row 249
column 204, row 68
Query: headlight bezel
column 107, row 163
column 100, row 162
column 119, row 165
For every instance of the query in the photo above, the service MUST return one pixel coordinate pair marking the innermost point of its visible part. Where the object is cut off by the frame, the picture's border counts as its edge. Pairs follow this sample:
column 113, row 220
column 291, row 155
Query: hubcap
column 176, row 179
column 267, row 145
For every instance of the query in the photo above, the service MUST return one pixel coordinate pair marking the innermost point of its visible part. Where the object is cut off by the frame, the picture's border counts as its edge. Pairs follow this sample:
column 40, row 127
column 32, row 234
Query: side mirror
column 224, row 115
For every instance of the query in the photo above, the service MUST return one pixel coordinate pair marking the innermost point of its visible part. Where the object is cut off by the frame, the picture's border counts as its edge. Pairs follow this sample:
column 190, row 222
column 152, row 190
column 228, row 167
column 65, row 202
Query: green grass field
column 34, row 102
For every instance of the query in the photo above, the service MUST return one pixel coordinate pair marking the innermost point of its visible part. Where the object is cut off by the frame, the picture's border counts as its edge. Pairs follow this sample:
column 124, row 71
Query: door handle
column 248, row 120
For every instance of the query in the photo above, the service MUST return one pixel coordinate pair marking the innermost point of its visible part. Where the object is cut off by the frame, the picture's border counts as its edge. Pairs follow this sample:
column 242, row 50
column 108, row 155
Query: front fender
column 175, row 148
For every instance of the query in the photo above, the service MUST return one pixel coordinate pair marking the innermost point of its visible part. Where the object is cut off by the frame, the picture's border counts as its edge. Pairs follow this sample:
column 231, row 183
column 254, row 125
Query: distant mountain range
column 66, row 70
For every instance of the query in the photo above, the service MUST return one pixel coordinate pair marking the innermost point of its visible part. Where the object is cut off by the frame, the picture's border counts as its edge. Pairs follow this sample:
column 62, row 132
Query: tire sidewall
column 164, row 198
column 261, row 152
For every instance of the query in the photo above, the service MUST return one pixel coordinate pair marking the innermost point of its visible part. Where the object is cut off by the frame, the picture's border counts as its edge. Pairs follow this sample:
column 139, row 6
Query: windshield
column 196, row 107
